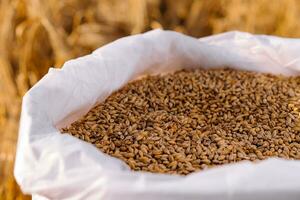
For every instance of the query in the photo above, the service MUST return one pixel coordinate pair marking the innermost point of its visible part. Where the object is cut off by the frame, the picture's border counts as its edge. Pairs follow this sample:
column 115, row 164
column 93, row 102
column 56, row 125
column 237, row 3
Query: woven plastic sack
column 51, row 165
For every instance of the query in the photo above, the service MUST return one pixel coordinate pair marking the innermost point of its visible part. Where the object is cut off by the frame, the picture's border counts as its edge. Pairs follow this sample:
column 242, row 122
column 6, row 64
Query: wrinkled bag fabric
column 51, row 165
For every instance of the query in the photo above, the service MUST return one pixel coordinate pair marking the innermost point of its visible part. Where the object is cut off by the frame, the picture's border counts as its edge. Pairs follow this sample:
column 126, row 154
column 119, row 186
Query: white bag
column 51, row 165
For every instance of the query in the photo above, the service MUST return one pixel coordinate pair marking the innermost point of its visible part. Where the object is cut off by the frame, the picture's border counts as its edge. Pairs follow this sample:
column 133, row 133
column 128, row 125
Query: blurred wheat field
column 36, row 35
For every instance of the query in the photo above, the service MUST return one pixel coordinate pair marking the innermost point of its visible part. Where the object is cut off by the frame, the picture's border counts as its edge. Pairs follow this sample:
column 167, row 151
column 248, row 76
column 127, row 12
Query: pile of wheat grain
column 192, row 120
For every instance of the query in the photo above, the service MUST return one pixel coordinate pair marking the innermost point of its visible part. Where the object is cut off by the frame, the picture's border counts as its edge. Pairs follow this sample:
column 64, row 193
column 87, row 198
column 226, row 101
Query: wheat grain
column 192, row 120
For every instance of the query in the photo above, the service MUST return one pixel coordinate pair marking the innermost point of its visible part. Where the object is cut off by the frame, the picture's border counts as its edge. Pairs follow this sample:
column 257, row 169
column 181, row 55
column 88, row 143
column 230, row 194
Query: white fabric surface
column 50, row 165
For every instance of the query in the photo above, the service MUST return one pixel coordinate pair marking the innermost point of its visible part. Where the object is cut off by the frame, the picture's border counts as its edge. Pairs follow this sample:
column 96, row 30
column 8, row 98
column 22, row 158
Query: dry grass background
column 38, row 34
